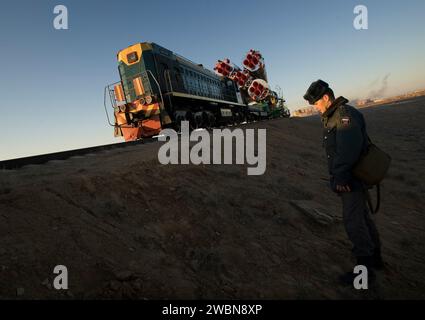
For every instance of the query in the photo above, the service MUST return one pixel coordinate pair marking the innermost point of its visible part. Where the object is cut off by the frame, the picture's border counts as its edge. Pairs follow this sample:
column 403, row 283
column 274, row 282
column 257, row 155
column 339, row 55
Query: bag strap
column 367, row 143
column 378, row 200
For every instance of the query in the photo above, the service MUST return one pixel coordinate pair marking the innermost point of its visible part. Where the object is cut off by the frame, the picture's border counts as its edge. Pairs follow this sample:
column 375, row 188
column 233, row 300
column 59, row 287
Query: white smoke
column 379, row 93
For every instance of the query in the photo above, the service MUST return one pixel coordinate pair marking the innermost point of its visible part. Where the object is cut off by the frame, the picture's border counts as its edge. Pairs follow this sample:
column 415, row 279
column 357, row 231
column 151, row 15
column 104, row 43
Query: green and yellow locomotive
column 159, row 89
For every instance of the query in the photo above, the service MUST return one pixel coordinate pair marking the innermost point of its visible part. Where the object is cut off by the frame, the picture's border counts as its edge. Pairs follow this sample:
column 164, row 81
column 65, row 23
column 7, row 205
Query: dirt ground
column 127, row 227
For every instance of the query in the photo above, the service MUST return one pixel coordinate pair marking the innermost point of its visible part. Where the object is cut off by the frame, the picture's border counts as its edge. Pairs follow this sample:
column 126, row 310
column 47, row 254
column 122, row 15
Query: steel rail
column 18, row 163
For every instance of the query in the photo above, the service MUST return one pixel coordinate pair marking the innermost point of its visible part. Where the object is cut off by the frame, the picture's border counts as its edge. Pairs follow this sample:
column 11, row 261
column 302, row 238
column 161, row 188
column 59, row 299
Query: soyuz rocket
column 251, row 79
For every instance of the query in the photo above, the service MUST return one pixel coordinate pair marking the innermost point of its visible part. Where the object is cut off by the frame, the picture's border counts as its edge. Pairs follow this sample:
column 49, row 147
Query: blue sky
column 52, row 80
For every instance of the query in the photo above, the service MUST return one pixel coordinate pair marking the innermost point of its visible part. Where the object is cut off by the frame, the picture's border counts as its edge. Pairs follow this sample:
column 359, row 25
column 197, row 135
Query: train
column 159, row 88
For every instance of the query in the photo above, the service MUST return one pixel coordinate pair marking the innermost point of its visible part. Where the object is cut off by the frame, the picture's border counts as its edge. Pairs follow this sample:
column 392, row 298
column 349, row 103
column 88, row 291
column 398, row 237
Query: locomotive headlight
column 132, row 57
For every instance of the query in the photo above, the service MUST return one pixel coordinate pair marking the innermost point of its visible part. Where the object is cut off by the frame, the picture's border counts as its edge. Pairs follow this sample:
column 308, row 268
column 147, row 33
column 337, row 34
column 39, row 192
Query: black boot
column 347, row 279
column 377, row 261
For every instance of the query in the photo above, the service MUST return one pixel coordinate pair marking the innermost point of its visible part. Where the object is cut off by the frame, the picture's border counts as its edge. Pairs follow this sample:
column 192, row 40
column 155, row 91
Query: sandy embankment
column 126, row 226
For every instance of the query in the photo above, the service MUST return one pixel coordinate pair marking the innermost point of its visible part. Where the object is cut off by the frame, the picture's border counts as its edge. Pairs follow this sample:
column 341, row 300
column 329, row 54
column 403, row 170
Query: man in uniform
column 344, row 140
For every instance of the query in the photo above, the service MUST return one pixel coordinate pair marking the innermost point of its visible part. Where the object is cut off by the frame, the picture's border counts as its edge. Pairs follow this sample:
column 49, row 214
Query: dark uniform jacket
column 344, row 139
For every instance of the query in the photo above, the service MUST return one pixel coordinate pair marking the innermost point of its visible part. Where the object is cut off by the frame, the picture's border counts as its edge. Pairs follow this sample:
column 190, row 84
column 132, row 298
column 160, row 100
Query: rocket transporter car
column 159, row 88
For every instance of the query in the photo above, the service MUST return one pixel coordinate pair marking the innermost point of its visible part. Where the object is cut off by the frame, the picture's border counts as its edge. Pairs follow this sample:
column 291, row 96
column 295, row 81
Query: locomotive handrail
column 159, row 87
column 113, row 101
column 104, row 103
column 112, row 104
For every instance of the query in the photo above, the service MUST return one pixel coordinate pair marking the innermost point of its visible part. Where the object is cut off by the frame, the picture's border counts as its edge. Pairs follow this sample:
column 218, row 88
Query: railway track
column 18, row 163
